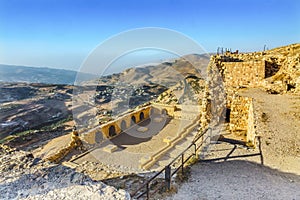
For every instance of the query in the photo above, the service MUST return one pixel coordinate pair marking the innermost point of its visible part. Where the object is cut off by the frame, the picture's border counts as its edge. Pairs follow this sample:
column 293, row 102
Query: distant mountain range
column 166, row 72
column 13, row 73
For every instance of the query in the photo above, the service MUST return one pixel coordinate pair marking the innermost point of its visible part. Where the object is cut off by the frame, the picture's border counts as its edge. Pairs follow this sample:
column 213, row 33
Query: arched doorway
column 123, row 125
column 142, row 116
column 133, row 120
column 112, row 131
column 164, row 112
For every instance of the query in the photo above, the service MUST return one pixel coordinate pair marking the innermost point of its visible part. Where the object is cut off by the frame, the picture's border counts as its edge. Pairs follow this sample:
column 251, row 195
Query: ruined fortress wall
column 251, row 124
column 93, row 136
column 169, row 109
column 242, row 117
column 246, row 74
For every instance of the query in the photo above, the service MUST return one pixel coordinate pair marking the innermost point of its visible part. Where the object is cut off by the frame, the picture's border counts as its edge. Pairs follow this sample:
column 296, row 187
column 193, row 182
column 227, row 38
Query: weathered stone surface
column 48, row 181
column 276, row 71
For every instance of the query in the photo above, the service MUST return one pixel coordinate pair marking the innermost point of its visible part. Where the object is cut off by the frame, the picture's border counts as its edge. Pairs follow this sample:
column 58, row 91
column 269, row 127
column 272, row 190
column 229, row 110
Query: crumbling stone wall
column 276, row 71
column 75, row 143
column 243, row 74
column 281, row 69
column 241, row 117
column 214, row 97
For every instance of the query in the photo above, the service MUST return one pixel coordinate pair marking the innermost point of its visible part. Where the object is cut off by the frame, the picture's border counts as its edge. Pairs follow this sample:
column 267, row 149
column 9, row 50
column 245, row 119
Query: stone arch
column 123, row 125
column 142, row 116
column 112, row 131
column 164, row 112
column 133, row 120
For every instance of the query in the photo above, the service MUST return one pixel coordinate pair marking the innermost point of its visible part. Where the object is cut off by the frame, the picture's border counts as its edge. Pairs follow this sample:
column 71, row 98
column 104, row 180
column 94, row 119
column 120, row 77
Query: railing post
column 182, row 162
column 147, row 190
column 168, row 177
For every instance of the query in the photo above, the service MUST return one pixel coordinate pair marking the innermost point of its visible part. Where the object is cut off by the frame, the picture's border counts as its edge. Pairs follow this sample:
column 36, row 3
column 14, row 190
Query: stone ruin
column 275, row 71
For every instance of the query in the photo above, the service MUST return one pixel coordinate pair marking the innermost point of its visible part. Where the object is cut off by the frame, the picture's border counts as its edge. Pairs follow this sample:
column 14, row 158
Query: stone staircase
column 174, row 152
column 174, row 146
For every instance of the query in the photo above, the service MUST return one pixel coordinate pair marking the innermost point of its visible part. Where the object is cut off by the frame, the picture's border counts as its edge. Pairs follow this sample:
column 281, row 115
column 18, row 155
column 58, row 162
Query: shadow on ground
column 238, row 179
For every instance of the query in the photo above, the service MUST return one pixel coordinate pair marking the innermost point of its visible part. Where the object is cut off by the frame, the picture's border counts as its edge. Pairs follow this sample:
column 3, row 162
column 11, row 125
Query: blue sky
column 62, row 33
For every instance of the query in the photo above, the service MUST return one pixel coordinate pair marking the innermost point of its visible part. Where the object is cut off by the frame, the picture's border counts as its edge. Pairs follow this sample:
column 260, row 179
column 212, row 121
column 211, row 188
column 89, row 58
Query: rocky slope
column 25, row 177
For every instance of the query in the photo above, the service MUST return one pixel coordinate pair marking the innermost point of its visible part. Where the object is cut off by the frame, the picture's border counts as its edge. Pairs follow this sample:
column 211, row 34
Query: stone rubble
column 25, row 177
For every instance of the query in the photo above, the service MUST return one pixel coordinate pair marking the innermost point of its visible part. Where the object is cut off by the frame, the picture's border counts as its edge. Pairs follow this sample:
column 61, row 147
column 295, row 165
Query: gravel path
column 238, row 180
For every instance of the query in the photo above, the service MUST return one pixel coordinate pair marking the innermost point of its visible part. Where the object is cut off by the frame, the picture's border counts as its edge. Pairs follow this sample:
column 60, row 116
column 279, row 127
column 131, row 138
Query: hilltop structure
column 276, row 71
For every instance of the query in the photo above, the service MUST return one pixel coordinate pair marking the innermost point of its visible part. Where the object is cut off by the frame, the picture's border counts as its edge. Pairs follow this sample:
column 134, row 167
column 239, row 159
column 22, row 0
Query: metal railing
column 144, row 189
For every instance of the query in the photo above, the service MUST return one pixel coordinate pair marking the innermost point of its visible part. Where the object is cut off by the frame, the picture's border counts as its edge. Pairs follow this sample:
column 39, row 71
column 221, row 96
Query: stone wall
column 242, row 118
column 124, row 122
column 75, row 143
column 243, row 74
column 251, row 133
column 168, row 109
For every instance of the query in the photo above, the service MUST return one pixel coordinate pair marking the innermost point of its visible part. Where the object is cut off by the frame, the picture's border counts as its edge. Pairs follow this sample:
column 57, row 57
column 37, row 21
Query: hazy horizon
column 62, row 34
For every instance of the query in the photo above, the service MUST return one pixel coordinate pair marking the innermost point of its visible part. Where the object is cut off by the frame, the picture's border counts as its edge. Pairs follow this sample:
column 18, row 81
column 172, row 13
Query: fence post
column 148, row 190
column 182, row 162
column 168, row 177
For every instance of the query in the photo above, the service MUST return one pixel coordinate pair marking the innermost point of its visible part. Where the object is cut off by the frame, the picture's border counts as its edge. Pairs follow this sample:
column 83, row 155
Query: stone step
column 163, row 163
column 156, row 167
column 174, row 152
column 183, row 143
column 190, row 138
column 165, row 158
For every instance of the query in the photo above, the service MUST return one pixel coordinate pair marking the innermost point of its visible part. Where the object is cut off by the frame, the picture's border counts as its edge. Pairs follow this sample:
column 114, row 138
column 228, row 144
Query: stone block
column 142, row 129
column 110, row 148
column 168, row 140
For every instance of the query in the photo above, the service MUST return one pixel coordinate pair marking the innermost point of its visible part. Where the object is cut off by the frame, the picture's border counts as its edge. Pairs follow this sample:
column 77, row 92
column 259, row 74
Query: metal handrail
column 183, row 161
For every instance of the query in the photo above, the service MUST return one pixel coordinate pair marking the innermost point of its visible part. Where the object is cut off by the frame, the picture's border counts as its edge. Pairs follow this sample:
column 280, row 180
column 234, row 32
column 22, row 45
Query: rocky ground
column 25, row 177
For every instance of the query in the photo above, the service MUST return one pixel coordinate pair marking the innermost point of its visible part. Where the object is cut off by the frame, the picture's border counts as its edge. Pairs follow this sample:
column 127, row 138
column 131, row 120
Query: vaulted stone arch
column 142, row 116
column 112, row 131
column 133, row 120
